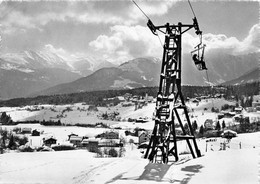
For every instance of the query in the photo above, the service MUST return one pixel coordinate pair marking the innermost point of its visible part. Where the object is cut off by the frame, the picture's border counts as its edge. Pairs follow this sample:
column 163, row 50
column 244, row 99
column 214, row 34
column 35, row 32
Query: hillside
column 141, row 72
column 16, row 83
column 248, row 77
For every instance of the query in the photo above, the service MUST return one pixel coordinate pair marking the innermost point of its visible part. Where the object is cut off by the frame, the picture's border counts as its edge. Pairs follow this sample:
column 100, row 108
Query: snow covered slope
column 75, row 167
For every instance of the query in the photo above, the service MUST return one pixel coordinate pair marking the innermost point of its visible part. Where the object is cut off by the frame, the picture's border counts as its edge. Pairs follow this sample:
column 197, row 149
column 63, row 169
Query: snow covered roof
column 86, row 141
column 94, row 140
column 238, row 108
column 75, row 138
column 50, row 138
column 229, row 131
column 121, row 98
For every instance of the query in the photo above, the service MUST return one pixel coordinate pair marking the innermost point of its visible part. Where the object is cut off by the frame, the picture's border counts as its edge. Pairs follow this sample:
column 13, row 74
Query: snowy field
column 74, row 167
column 239, row 163
column 79, row 113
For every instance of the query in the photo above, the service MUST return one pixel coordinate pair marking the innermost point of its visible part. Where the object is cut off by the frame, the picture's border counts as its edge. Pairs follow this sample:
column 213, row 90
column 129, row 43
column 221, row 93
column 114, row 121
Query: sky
column 116, row 30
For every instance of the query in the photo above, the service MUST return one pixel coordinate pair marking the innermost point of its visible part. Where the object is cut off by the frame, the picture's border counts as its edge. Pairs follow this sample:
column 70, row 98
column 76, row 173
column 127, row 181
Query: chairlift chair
column 199, row 58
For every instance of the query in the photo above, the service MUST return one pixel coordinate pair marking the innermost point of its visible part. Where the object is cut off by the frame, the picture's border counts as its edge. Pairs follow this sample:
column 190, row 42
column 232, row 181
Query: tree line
column 97, row 97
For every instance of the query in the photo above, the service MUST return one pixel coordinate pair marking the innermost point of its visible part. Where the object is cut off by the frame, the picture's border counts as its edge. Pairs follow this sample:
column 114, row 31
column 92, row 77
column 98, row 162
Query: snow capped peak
column 17, row 58
column 9, row 66
column 28, row 54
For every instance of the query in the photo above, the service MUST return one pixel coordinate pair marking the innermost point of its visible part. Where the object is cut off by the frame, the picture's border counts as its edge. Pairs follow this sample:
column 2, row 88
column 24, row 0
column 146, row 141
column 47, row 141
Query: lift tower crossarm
column 161, row 28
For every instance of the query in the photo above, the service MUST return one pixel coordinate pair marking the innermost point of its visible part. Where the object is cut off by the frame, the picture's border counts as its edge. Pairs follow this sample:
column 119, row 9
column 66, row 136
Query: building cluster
column 106, row 139
column 129, row 100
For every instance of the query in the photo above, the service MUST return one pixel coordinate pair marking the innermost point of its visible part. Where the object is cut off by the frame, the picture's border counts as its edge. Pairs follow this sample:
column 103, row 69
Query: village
column 94, row 148
column 129, row 121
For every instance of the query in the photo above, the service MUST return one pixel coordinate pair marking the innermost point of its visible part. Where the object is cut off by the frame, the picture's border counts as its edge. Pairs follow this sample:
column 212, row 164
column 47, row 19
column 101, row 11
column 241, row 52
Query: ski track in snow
column 105, row 172
column 86, row 176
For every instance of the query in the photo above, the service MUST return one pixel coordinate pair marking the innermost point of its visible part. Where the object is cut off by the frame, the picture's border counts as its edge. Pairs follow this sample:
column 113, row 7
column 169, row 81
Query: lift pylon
column 170, row 104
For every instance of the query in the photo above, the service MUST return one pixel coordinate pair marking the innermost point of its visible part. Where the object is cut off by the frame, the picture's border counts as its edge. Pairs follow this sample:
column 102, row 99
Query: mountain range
column 28, row 72
column 142, row 72
column 47, row 73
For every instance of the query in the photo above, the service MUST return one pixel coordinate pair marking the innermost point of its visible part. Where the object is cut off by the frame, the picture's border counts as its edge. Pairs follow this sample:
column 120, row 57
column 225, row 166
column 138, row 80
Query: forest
column 97, row 97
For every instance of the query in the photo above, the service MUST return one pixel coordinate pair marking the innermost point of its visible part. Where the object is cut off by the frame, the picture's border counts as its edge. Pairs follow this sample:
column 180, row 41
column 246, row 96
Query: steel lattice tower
column 170, row 101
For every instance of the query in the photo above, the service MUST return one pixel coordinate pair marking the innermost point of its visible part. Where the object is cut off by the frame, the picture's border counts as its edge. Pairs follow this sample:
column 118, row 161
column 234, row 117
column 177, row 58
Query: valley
column 85, row 166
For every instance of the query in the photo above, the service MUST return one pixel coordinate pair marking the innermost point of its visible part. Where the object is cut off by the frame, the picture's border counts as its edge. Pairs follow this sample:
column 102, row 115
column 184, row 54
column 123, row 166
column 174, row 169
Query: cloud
column 17, row 21
column 34, row 15
column 150, row 8
column 127, row 42
column 51, row 48
column 251, row 43
column 231, row 45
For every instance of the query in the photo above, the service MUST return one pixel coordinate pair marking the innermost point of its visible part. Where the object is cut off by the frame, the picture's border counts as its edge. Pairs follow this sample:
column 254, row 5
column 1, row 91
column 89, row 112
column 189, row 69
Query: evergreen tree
column 218, row 127
column 223, row 125
column 5, row 119
column 194, row 125
column 186, row 128
column 201, row 131
column 12, row 144
column 3, row 138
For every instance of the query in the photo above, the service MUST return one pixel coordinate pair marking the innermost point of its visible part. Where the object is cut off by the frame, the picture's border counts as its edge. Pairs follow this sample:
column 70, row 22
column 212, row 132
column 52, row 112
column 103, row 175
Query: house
column 195, row 100
column 35, row 133
column 127, row 104
column 238, row 110
column 218, row 95
column 220, row 116
column 127, row 96
column 135, row 98
column 203, row 97
column 149, row 99
column 143, row 136
column 228, row 114
column 208, row 124
column 26, row 130
column 231, row 114
column 49, row 141
column 92, row 108
column 121, row 98
column 72, row 134
column 85, row 142
column 229, row 134
column 141, row 120
column 76, row 140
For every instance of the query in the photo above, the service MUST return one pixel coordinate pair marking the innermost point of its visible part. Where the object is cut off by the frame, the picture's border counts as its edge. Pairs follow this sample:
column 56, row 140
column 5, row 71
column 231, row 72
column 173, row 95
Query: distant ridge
column 32, row 73
column 249, row 77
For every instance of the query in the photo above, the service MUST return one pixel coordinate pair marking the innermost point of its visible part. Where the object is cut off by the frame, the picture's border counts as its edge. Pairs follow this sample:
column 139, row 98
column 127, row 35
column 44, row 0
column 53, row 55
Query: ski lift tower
column 170, row 102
